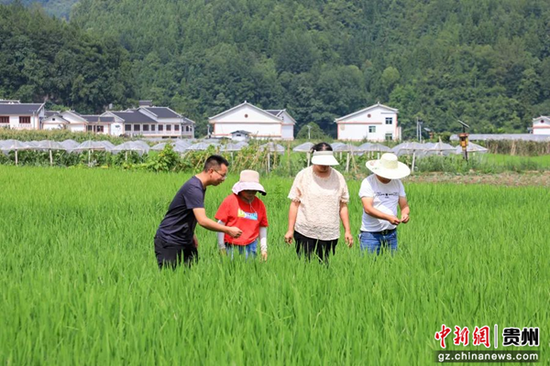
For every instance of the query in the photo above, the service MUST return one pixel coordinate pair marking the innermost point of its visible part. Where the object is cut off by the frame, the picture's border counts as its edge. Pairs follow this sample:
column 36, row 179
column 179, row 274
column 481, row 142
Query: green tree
column 312, row 131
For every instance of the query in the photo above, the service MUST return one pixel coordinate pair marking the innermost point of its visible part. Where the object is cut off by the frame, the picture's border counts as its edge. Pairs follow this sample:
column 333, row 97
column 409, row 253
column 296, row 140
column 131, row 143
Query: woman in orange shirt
column 247, row 212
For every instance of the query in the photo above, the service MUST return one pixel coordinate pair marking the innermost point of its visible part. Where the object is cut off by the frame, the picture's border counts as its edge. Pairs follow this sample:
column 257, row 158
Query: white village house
column 541, row 125
column 151, row 121
column 375, row 123
column 146, row 121
column 21, row 116
column 259, row 123
column 76, row 122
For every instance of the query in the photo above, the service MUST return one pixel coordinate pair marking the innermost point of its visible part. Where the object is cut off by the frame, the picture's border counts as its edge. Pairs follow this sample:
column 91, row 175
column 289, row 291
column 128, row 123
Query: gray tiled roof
column 19, row 109
column 163, row 112
column 134, row 117
column 48, row 114
column 97, row 118
column 274, row 112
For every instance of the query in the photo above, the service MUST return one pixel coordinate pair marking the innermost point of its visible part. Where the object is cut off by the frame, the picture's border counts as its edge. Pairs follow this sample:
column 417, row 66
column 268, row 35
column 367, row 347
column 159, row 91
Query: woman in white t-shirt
column 320, row 198
column 381, row 193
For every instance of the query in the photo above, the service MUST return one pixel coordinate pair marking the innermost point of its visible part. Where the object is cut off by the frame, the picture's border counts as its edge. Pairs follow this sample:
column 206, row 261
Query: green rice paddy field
column 541, row 162
column 79, row 284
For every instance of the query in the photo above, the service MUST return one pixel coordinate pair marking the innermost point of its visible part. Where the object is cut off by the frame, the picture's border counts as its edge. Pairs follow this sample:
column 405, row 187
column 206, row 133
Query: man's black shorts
column 171, row 255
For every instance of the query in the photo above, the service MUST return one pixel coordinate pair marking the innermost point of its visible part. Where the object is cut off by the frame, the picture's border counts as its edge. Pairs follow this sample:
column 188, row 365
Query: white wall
column 35, row 122
column 34, row 125
column 355, row 127
column 14, row 122
column 288, row 132
column 116, row 129
column 358, row 132
column 355, row 132
column 53, row 125
column 287, row 118
column 54, row 122
column 541, row 128
column 265, row 130
column 260, row 124
column 246, row 114
column 76, row 128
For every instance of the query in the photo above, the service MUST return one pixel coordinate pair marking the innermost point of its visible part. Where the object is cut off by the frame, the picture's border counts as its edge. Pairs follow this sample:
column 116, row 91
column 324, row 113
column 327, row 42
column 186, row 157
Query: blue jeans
column 376, row 242
column 249, row 249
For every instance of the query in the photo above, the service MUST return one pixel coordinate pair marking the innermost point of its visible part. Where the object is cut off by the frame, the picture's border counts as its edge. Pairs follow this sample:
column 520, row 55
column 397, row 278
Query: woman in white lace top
column 319, row 202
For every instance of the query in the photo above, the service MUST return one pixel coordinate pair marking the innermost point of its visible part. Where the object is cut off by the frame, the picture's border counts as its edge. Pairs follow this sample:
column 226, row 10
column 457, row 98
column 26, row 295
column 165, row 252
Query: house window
column 90, row 128
column 153, row 128
column 99, row 129
column 161, row 127
column 176, row 127
column 389, row 120
column 168, row 127
column 137, row 128
column 372, row 129
column 24, row 119
column 389, row 137
column 4, row 119
column 145, row 128
column 128, row 128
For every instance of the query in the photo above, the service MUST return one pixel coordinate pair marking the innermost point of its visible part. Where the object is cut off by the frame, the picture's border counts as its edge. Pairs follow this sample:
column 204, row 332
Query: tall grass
column 481, row 163
column 79, row 282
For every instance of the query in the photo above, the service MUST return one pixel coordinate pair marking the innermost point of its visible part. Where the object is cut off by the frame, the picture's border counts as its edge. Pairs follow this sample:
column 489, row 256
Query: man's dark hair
column 321, row 146
column 214, row 162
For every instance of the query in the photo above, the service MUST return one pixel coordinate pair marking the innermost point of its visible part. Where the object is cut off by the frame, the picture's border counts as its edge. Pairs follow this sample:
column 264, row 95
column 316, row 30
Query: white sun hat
column 388, row 167
column 248, row 181
column 324, row 158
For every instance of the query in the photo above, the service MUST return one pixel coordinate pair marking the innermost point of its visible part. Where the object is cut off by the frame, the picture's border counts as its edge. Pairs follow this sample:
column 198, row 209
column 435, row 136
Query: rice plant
column 79, row 282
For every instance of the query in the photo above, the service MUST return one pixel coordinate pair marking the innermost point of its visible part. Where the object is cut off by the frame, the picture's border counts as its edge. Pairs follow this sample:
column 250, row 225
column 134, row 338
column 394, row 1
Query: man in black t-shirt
column 175, row 240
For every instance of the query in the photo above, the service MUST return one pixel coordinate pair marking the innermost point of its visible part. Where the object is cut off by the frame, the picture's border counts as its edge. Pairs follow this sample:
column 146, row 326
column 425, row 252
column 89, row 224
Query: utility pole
column 419, row 129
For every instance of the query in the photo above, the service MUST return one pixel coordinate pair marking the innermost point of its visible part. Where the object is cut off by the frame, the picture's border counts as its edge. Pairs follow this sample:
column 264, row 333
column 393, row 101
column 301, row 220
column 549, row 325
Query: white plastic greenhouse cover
column 305, row 147
column 504, row 136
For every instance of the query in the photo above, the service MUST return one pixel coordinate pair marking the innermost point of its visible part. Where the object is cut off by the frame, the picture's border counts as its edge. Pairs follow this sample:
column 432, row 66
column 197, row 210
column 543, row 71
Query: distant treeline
column 482, row 61
column 47, row 59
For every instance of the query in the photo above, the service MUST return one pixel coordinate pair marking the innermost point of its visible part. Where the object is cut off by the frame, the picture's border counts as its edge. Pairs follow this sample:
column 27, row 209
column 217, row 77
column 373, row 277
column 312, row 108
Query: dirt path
column 541, row 179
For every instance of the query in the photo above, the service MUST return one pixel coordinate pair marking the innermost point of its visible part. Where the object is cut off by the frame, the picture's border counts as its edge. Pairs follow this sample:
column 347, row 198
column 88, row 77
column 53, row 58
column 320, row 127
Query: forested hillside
column 57, row 8
column 483, row 61
column 46, row 59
